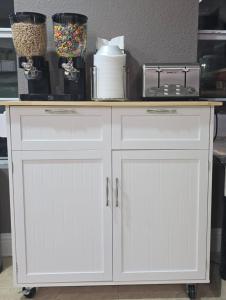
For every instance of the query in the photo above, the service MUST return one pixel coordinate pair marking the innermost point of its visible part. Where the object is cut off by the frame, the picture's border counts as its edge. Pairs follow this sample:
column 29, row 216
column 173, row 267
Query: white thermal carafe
column 110, row 66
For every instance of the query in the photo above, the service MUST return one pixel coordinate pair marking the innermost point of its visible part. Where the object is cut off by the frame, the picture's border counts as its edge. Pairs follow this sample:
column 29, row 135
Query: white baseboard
column 5, row 244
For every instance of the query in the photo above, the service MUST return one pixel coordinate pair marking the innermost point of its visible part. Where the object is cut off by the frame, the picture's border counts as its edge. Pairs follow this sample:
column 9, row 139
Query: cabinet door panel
column 160, row 223
column 60, row 128
column 63, row 225
column 160, row 128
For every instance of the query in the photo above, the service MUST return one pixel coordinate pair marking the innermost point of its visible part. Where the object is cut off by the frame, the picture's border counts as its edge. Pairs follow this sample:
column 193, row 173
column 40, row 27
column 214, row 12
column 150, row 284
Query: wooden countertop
column 112, row 103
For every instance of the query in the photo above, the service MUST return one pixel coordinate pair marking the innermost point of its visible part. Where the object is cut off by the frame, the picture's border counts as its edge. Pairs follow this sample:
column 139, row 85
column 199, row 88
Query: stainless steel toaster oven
column 167, row 81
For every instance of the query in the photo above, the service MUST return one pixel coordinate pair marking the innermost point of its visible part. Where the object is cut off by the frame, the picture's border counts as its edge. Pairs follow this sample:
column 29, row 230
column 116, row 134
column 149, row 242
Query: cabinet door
column 63, row 218
column 160, row 215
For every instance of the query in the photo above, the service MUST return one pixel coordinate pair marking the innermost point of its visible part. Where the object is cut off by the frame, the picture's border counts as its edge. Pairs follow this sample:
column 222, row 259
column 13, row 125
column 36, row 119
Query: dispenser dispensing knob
column 70, row 71
column 30, row 71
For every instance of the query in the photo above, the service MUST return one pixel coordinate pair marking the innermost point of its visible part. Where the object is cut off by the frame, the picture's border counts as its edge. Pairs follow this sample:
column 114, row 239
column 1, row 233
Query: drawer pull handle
column 116, row 193
column 107, row 191
column 60, row 112
column 161, row 111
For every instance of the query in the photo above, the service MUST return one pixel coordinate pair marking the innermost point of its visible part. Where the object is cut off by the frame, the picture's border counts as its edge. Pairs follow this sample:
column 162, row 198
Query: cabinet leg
column 191, row 291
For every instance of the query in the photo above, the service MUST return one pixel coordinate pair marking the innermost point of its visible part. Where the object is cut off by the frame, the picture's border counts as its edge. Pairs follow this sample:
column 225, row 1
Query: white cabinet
column 160, row 215
column 63, row 217
column 110, row 195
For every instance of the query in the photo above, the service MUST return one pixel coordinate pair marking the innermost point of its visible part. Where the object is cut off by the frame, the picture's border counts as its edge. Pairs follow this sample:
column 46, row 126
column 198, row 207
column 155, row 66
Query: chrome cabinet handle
column 161, row 111
column 60, row 111
column 107, row 191
column 116, row 192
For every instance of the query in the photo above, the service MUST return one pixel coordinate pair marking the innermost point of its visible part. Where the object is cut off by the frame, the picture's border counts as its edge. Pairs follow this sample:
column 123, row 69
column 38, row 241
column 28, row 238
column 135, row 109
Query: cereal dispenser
column 70, row 36
column 29, row 38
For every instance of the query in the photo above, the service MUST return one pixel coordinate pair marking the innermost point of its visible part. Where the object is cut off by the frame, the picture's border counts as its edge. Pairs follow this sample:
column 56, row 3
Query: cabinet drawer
column 60, row 128
column 161, row 128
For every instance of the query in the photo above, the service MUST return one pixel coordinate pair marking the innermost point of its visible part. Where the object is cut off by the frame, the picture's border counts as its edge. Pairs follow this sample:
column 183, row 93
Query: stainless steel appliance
column 167, row 81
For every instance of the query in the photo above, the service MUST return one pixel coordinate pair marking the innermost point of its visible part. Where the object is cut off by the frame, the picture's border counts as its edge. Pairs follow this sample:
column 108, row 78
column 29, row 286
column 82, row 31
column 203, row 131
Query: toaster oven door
column 172, row 76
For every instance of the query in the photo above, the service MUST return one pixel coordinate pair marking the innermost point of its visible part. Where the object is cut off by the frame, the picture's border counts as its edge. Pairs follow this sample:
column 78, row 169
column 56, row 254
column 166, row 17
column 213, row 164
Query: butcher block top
column 126, row 103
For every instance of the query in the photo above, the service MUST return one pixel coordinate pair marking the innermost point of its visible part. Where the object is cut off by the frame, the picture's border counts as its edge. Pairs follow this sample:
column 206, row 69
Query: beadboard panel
column 161, row 221
column 64, row 229
column 6, row 242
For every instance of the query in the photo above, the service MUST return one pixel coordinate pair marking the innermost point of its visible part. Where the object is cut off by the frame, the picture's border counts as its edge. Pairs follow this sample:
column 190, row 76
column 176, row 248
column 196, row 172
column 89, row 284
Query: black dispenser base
column 46, row 97
column 34, row 97
column 75, row 87
column 40, row 83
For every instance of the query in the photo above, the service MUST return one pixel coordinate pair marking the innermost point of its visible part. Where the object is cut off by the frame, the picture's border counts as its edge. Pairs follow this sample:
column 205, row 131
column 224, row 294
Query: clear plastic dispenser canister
column 29, row 34
column 30, row 42
column 70, row 34
column 109, row 74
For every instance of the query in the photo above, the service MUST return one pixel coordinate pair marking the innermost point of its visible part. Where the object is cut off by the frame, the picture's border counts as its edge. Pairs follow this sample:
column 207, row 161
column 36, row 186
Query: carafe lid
column 65, row 18
column 110, row 50
column 27, row 17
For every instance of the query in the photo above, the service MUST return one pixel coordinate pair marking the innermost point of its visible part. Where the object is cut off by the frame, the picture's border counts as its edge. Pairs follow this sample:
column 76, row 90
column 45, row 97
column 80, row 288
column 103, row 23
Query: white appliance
column 109, row 71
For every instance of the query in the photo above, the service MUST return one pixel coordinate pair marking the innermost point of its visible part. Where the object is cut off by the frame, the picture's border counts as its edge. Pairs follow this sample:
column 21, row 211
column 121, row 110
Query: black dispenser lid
column 27, row 17
column 65, row 18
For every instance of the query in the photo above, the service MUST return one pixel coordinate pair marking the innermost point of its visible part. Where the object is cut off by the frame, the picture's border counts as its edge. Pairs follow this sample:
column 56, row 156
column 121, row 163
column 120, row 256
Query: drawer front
column 161, row 128
column 60, row 128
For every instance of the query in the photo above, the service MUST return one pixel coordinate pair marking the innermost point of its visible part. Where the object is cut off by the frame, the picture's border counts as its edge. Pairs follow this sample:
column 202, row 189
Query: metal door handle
column 60, row 111
column 116, row 192
column 107, row 191
column 161, row 111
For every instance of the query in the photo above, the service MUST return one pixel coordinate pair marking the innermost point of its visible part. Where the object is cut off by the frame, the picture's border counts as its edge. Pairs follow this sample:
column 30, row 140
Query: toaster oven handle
column 161, row 111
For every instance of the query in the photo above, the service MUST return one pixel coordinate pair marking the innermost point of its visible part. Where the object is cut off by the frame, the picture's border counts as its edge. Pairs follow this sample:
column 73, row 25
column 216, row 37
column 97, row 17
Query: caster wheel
column 29, row 292
column 191, row 291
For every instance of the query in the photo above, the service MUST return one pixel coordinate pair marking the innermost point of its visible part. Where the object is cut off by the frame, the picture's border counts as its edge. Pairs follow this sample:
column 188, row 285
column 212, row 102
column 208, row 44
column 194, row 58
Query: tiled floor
column 217, row 290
